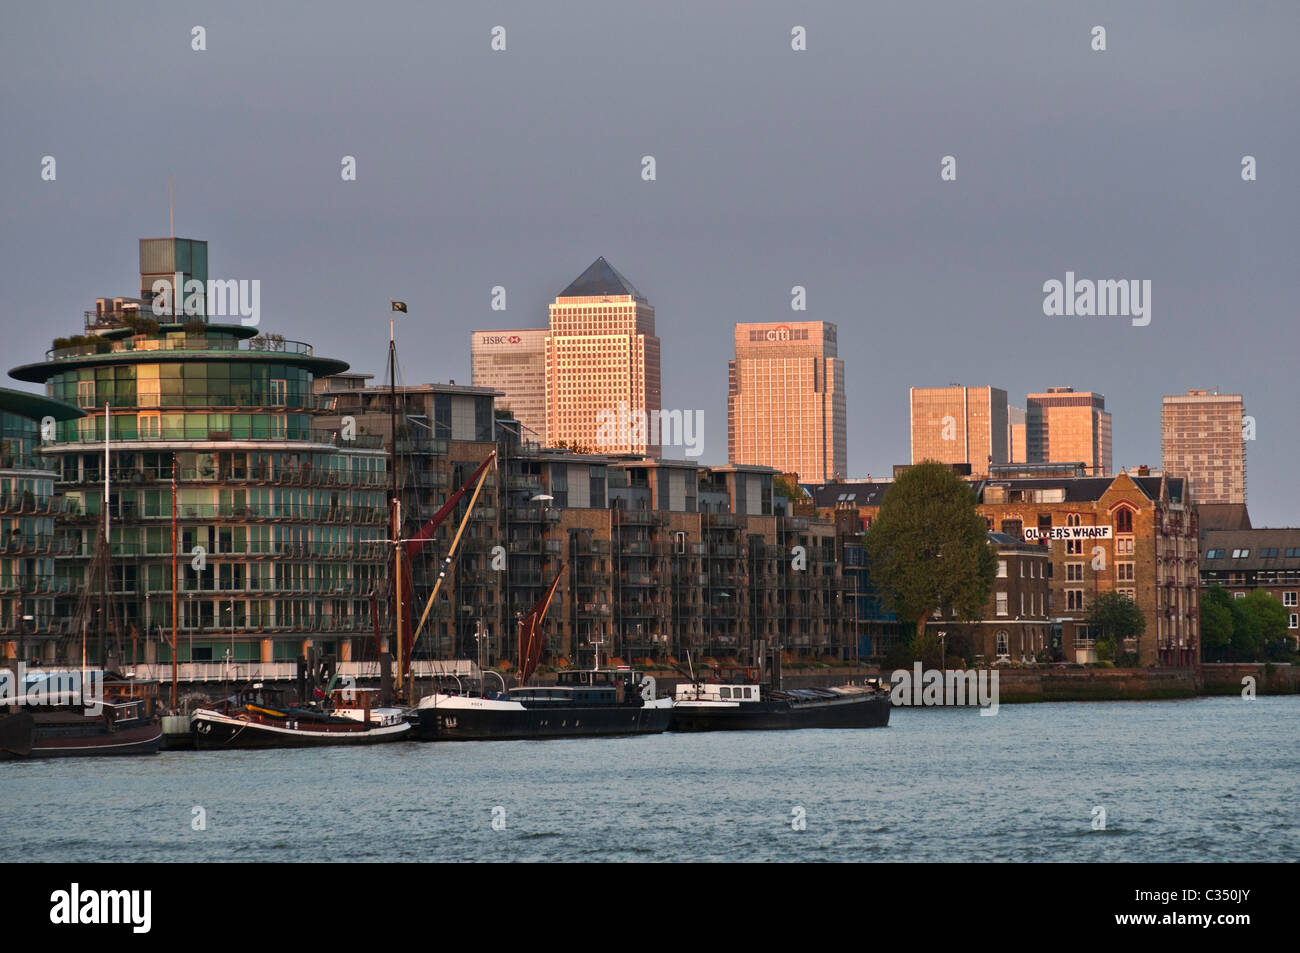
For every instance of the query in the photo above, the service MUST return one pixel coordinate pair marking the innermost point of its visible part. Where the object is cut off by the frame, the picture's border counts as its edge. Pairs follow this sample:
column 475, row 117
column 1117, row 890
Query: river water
column 1191, row 780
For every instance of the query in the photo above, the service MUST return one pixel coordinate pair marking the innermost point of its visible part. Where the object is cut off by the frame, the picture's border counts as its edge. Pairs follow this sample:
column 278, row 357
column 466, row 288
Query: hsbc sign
column 500, row 339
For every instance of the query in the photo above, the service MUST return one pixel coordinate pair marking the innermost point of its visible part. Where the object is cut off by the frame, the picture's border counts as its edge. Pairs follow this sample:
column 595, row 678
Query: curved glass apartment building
column 28, row 508
column 279, row 521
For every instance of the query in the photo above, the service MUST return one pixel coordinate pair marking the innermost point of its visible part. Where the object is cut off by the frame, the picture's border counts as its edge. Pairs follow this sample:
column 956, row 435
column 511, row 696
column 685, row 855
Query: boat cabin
column 563, row 696
column 716, row 692
column 626, row 677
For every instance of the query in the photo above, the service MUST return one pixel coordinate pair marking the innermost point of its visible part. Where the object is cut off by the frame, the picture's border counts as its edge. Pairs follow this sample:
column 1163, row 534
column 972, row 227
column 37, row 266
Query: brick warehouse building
column 1149, row 550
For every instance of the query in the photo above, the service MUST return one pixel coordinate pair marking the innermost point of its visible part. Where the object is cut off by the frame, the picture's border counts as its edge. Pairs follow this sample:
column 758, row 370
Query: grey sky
column 775, row 168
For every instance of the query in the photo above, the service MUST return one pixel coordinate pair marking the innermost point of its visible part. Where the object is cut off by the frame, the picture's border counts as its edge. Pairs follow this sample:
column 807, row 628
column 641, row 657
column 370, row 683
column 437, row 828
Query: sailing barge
column 350, row 718
column 743, row 704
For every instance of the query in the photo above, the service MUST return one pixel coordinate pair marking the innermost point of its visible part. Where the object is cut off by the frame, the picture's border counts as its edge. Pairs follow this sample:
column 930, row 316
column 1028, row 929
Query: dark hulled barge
column 747, row 706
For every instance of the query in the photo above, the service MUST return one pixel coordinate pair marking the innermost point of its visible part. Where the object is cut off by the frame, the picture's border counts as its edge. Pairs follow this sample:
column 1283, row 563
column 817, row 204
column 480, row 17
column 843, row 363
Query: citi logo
column 102, row 907
column 780, row 333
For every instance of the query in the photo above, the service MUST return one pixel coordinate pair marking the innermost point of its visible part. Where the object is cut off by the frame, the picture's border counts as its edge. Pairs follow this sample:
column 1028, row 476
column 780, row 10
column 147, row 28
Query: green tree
column 1216, row 624
column 1259, row 625
column 788, row 488
column 1118, row 618
column 928, row 548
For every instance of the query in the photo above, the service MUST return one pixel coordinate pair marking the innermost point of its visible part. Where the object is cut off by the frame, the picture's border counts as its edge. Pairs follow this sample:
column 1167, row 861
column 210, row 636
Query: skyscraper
column 1016, row 452
column 514, row 362
column 1063, row 426
column 602, row 365
column 785, row 401
column 1201, row 439
column 957, row 424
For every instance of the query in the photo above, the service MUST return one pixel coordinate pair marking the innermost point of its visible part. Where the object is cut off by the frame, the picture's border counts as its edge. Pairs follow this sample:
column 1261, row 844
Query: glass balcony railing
column 257, row 345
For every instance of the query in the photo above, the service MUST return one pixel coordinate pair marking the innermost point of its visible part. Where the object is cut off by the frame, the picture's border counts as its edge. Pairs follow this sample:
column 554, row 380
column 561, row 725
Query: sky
column 478, row 168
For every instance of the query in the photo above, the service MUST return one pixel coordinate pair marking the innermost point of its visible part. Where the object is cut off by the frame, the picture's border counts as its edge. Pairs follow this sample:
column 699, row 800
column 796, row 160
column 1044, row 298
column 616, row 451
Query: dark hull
column 217, row 735
column 459, row 724
column 869, row 712
column 93, row 741
column 17, row 731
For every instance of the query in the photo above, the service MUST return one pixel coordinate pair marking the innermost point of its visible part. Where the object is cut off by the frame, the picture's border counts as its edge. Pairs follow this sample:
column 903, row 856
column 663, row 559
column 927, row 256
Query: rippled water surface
column 1202, row 779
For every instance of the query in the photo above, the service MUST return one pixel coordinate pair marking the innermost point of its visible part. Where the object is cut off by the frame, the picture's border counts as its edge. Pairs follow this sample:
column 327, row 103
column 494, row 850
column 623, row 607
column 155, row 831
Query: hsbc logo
column 514, row 339
column 501, row 339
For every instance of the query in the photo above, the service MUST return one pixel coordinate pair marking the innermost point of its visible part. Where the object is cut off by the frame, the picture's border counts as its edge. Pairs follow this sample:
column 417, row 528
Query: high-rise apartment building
column 1016, row 452
column 514, row 362
column 1201, row 439
column 602, row 360
column 214, row 431
column 957, row 424
column 1065, row 426
column 785, row 400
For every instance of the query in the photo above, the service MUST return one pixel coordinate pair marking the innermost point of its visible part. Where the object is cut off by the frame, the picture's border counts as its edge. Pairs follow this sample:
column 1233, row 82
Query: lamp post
column 22, row 636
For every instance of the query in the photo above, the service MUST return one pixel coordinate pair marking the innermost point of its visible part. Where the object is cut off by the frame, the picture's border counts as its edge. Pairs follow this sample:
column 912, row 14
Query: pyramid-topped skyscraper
column 599, row 280
column 602, row 364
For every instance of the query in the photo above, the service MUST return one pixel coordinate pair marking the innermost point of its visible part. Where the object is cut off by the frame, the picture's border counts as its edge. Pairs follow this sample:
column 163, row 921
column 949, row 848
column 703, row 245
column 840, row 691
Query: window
column 1240, row 553
column 149, row 426
column 1218, row 553
column 1124, row 546
column 1288, row 598
column 85, row 393
column 147, row 392
column 1239, row 595
column 1074, row 572
column 1295, row 621
column 1002, row 603
column 1127, row 594
column 1003, row 646
column 1074, row 600
column 1124, row 572
column 1002, row 569
column 1124, row 521
column 1268, row 553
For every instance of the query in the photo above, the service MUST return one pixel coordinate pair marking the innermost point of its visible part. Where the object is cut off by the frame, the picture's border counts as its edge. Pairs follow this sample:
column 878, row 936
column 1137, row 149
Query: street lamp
column 22, row 636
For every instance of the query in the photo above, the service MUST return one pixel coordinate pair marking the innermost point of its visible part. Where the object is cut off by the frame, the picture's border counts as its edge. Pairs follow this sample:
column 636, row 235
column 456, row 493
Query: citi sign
column 501, row 339
column 779, row 333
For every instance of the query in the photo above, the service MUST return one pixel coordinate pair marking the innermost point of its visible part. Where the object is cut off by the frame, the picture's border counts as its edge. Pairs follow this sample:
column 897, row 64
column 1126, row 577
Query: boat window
column 724, row 692
column 747, row 692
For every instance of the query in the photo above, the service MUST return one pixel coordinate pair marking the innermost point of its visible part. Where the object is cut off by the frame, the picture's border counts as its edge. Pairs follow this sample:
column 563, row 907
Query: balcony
column 257, row 345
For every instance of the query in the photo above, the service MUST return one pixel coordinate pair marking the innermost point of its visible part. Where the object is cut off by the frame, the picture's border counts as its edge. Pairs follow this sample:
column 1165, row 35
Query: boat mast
column 396, row 504
column 107, row 541
column 175, row 630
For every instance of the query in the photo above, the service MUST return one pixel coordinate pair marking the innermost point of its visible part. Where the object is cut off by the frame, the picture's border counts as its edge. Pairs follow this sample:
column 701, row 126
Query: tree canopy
column 1119, row 618
column 928, row 548
column 1250, row 629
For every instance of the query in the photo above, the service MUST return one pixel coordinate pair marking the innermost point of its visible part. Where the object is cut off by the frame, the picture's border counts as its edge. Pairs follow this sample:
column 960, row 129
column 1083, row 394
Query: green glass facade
column 28, row 508
column 280, row 522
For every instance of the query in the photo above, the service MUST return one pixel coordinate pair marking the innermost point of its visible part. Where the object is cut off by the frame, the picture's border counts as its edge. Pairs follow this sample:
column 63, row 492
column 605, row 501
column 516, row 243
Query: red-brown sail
column 532, row 638
column 416, row 542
